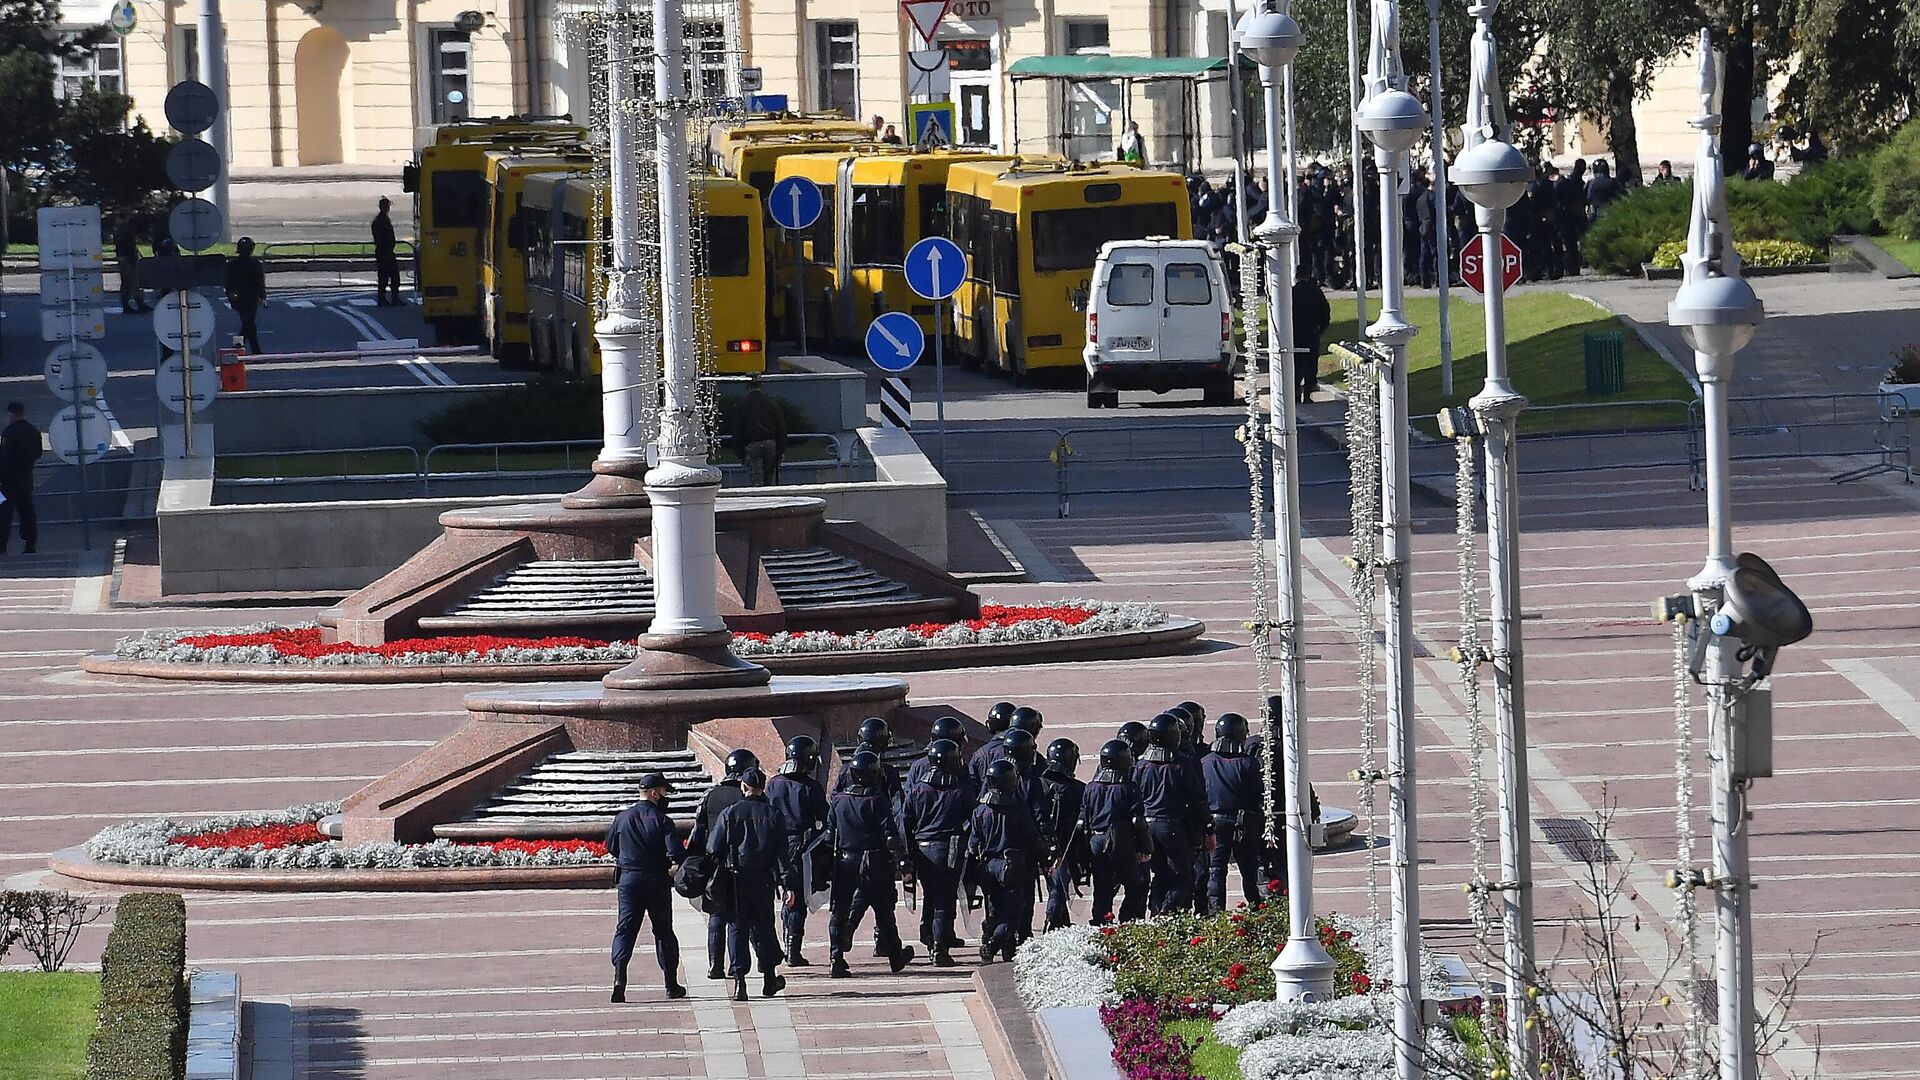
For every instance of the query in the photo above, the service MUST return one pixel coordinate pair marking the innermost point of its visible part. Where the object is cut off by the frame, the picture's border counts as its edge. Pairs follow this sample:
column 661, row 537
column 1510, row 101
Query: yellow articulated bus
column 503, row 247
column 1031, row 230
column 564, row 218
column 729, row 134
column 448, row 181
column 754, row 161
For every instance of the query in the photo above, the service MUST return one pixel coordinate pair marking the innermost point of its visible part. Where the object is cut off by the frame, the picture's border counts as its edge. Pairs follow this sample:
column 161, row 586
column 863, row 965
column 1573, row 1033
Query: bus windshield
column 726, row 246
column 1071, row 239
column 459, row 199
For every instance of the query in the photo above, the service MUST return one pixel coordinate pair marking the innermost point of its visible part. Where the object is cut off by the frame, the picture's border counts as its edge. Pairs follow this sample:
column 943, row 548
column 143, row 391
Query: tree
column 1598, row 59
column 1859, row 72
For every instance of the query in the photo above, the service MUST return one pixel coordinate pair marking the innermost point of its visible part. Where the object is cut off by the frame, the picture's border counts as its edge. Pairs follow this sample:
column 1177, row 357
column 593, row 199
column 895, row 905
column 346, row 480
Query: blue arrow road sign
column 895, row 341
column 935, row 267
column 794, row 203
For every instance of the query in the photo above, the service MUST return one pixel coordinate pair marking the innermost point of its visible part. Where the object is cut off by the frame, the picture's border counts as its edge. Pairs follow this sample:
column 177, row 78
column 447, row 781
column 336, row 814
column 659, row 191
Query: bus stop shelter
column 1073, row 75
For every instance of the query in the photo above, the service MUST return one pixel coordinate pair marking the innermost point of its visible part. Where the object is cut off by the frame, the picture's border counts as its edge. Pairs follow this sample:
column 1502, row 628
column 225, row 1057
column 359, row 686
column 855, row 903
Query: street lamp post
column 1492, row 174
column 1303, row 971
column 1716, row 311
column 1394, row 120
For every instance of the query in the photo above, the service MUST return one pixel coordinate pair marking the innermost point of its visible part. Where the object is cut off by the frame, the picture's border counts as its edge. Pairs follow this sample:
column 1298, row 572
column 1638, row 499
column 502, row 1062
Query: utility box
column 1753, row 732
column 1606, row 363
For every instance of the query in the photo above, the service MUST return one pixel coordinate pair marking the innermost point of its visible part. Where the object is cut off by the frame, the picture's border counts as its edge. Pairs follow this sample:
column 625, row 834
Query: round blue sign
column 795, row 203
column 935, row 267
column 895, row 341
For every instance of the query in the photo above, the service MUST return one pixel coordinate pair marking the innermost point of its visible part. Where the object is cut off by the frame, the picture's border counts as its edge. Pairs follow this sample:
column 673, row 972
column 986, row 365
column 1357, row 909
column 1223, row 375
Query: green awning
column 1084, row 68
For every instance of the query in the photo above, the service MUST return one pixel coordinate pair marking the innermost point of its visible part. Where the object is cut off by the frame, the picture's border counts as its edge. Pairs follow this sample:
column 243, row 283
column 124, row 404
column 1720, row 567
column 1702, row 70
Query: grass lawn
column 1545, row 358
column 1907, row 251
column 49, row 1019
column 1211, row 1059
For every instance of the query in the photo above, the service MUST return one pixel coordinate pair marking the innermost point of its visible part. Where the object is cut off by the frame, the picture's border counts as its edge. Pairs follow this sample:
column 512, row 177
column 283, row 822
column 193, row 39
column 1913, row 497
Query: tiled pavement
column 509, row 984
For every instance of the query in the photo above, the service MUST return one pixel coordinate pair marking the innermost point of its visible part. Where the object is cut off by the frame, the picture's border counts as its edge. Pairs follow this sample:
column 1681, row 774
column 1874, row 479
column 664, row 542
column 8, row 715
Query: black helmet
column 875, row 733
column 1193, row 710
column 1063, row 756
column 1027, row 719
column 999, row 716
column 949, row 728
column 944, row 755
column 1116, row 756
column 1164, row 732
column 1020, row 745
column 1134, row 734
column 739, row 761
column 1001, row 773
column 803, row 755
column 1230, row 733
column 865, row 769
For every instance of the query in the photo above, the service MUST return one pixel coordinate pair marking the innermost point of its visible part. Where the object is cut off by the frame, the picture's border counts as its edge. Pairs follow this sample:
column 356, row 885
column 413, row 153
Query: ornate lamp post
column 1303, row 970
column 1394, row 120
column 1493, row 175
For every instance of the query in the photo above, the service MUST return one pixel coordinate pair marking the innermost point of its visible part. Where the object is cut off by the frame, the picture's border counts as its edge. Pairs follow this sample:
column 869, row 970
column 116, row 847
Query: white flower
column 1063, row 969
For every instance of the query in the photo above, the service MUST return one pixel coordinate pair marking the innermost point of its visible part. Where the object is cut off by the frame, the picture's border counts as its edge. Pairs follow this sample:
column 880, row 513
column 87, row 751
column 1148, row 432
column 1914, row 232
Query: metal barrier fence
column 1873, row 425
column 342, row 263
column 110, row 484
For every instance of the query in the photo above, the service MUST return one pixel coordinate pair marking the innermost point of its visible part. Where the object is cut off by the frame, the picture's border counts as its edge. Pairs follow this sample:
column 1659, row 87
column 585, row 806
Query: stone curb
column 1009, row 1022
column 213, row 1026
column 74, row 863
column 1164, row 638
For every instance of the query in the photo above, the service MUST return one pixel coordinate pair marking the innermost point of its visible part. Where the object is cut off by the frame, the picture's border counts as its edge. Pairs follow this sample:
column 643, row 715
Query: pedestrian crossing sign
column 932, row 124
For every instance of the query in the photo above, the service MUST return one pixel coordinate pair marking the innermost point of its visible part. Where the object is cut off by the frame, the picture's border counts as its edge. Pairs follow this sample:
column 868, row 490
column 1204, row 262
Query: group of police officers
column 1163, row 817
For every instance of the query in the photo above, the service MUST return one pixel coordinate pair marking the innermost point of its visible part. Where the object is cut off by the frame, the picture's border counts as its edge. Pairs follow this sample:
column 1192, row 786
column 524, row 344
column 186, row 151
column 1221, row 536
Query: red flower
column 1275, row 886
column 1114, row 958
column 1197, row 940
column 1361, row 984
column 263, row 836
column 1239, row 933
column 1106, row 931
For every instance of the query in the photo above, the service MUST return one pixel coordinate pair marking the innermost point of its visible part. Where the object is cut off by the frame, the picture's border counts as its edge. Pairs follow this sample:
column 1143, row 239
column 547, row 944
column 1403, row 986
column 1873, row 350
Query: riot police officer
column 1025, row 755
column 999, row 718
column 801, row 801
column 867, row 852
column 1134, row 734
column 712, row 805
column 1118, row 839
column 875, row 738
column 934, row 813
column 646, row 849
column 946, row 727
column 1028, row 719
column 1193, row 746
column 1175, row 804
column 750, row 851
column 1232, row 775
column 1061, row 795
column 1001, row 850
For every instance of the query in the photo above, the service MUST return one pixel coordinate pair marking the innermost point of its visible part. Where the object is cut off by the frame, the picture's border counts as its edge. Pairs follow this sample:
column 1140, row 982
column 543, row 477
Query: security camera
column 469, row 22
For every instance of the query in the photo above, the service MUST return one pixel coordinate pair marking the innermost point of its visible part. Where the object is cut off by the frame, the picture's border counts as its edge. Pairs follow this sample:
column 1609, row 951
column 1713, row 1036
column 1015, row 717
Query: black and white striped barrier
column 896, row 404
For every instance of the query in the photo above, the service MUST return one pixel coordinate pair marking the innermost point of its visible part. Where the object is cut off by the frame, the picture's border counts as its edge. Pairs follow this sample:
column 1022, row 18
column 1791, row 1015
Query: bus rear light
column 1093, row 328
column 744, row 345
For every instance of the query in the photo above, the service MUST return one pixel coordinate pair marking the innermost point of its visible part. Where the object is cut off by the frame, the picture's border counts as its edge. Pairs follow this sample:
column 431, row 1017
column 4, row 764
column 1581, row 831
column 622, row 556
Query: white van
column 1158, row 318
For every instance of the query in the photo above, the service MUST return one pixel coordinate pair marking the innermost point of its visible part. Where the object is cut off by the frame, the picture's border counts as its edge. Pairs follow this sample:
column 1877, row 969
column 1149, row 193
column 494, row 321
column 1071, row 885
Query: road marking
column 420, row 368
column 196, row 781
column 228, row 748
column 299, row 303
column 360, row 301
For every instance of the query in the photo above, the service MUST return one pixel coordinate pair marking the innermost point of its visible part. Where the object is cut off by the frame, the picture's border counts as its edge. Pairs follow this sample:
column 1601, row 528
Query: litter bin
column 1606, row 363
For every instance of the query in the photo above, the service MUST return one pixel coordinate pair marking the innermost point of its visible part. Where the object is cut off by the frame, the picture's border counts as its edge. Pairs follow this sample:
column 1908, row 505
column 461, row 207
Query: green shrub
column 1835, row 197
column 1752, row 252
column 1808, row 210
column 1896, row 183
column 1221, row 959
column 143, row 992
column 554, row 409
column 1628, row 232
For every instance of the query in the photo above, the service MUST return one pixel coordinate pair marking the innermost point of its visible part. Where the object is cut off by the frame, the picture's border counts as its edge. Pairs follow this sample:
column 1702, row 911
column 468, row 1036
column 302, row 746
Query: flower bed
column 301, row 644
column 291, row 840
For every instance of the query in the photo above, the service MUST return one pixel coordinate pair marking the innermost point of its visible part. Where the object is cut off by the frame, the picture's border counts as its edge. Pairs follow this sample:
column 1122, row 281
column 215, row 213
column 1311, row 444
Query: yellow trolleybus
column 503, row 246
column 1031, row 230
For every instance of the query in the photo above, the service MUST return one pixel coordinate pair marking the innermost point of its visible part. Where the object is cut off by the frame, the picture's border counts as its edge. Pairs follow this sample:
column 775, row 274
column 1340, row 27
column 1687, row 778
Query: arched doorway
column 323, row 91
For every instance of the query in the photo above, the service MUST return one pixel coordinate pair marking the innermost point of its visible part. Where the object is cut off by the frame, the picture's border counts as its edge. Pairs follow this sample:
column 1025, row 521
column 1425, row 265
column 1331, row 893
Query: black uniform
column 749, row 843
column 866, row 856
column 246, row 291
column 20, row 447
column 890, row 780
column 1115, row 824
column 1232, row 776
column 645, row 848
column 1061, row 795
column 718, row 798
column 801, row 802
column 1570, row 195
column 386, row 264
column 1541, row 219
column 1311, row 317
column 990, row 751
column 933, row 820
column 1174, row 800
column 1002, row 847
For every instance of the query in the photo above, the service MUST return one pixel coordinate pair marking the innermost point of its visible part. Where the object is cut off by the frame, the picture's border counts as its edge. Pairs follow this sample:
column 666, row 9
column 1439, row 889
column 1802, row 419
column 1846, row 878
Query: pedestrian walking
column 946, row 727
column 1570, row 195
column 1232, row 774
column 126, row 257
column 1312, row 315
column 1024, row 752
column 714, row 803
column 386, row 265
column 1061, row 795
column 760, row 434
column 800, row 800
column 934, row 815
column 1001, row 849
column 247, row 291
column 646, row 849
column 750, row 852
column 20, row 448
column 867, row 856
column 1119, row 841
column 1542, row 225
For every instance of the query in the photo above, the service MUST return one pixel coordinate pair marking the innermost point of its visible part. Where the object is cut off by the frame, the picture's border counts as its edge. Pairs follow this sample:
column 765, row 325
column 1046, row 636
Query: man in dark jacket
column 1061, row 793
column 867, row 852
column 126, row 256
column 749, row 847
column 20, row 447
column 646, row 849
column 1311, row 317
column 801, row 801
column 717, row 799
column 760, row 431
column 1602, row 190
column 1002, row 849
column 1174, row 799
column 1570, row 193
column 1232, row 776
column 1118, row 838
column 934, row 814
column 247, row 290
column 386, row 264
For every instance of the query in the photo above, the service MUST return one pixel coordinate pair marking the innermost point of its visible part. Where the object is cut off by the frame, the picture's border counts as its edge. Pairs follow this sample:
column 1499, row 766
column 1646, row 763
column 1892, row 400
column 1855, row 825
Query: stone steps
column 577, row 794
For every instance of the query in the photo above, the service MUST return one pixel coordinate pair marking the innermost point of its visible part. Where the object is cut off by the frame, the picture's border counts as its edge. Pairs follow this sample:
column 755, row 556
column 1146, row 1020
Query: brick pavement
column 510, row 984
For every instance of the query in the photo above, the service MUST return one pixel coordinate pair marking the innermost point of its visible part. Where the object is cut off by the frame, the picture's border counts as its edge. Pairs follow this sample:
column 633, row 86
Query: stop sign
column 1471, row 270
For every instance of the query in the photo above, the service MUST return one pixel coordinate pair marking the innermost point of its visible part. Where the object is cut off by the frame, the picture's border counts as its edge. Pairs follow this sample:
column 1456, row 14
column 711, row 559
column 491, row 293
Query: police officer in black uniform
column 1134, row 734
column 712, row 805
column 934, row 813
column 1061, row 795
column 947, row 727
column 1024, row 752
column 867, row 853
column 749, row 846
column 1175, row 803
column 1027, row 719
column 999, row 718
column 1232, row 775
column 646, row 849
column 1001, row 849
column 1118, row 839
column 801, row 801
column 1193, row 747
column 875, row 737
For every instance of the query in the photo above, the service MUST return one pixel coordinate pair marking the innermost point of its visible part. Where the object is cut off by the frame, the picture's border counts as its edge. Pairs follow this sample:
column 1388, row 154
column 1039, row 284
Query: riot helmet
column 739, row 761
column 865, row 770
column 949, row 728
column 944, row 756
column 1116, row 758
column 1134, row 734
column 875, row 735
column 999, row 716
column 1063, row 756
column 1020, row 745
column 1027, row 719
column 1230, row 733
column 1165, row 732
column 803, row 756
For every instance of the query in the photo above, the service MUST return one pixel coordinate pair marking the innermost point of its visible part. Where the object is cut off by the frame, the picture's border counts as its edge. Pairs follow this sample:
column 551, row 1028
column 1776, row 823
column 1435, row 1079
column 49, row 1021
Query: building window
column 186, row 55
column 1090, row 105
column 707, row 59
column 98, row 69
column 449, row 74
column 836, row 57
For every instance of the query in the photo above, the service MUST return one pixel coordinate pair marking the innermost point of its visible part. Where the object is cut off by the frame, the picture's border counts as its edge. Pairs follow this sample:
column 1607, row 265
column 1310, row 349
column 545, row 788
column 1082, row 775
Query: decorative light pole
column 1303, row 971
column 1493, row 175
column 1394, row 120
column 1716, row 311
column 1442, row 242
column 628, row 335
column 1357, row 189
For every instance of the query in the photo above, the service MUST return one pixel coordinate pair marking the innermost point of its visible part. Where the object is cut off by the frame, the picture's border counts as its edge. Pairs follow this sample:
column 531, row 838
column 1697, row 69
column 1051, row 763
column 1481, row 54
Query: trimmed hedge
column 1896, row 183
column 1752, row 252
column 143, row 992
